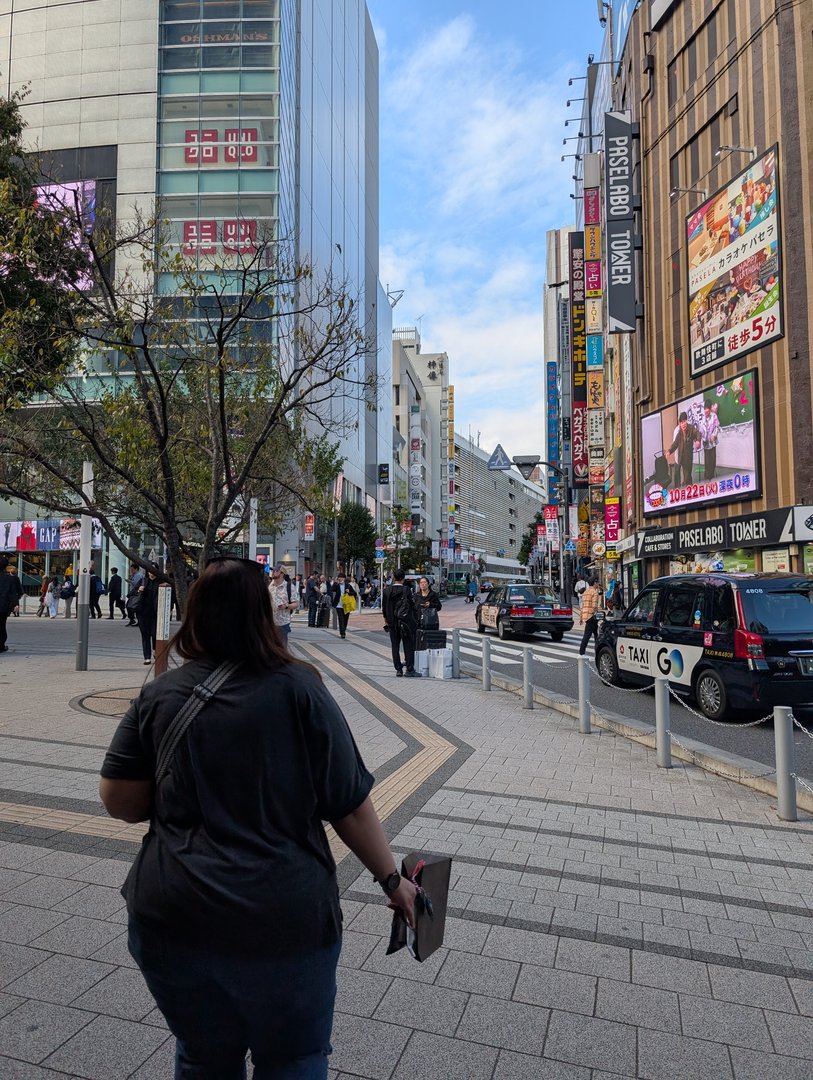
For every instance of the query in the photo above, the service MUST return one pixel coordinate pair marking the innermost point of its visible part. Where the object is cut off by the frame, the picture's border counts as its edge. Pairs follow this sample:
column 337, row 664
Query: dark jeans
column 710, row 462
column 397, row 637
column 220, row 1004
column 117, row 604
column 342, row 616
column 312, row 606
column 590, row 629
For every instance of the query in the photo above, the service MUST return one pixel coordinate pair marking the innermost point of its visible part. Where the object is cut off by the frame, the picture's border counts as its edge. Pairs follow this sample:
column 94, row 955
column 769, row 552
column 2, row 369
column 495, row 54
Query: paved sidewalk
column 608, row 919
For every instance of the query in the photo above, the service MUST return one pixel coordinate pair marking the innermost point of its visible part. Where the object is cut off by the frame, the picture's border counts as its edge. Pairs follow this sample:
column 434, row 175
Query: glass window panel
column 222, row 33
column 179, row 208
column 261, row 56
column 181, row 84
column 220, row 81
column 259, row 180
column 261, row 9
column 218, row 9
column 174, row 59
column 172, row 183
column 220, row 57
column 180, row 34
column 180, row 9
column 218, row 181
column 265, row 81
column 261, row 33
column 180, row 108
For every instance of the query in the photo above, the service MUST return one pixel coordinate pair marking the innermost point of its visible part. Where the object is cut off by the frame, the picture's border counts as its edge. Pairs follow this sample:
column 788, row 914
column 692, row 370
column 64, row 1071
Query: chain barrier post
column 486, row 664
column 527, row 678
column 456, row 653
column 584, row 694
column 663, row 733
column 785, row 763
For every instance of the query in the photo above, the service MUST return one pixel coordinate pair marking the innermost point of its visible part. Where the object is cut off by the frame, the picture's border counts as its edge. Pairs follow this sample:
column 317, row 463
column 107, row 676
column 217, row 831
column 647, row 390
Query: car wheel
column 710, row 695
column 557, row 635
column 608, row 667
column 480, row 628
column 502, row 632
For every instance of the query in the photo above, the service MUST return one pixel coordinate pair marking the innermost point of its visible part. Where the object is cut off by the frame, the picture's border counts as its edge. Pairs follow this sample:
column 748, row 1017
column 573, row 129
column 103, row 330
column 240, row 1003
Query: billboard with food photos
column 702, row 449
column 734, row 267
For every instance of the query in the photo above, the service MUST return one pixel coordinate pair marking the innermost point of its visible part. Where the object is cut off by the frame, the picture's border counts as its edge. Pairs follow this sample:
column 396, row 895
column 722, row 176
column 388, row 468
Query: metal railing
column 782, row 716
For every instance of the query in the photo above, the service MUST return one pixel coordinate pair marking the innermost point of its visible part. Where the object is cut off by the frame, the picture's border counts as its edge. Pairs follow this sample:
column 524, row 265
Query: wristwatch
column 390, row 882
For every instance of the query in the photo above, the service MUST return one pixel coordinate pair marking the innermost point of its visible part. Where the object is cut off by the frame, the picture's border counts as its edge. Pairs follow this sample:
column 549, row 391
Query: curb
column 741, row 770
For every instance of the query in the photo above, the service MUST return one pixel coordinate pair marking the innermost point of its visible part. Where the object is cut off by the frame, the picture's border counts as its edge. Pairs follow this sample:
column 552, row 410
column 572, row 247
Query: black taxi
column 521, row 608
column 733, row 642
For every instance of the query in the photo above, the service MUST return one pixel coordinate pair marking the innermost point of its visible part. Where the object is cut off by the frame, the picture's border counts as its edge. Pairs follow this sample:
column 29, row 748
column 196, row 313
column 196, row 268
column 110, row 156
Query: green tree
column 357, row 536
column 41, row 262
column 227, row 384
column 529, row 539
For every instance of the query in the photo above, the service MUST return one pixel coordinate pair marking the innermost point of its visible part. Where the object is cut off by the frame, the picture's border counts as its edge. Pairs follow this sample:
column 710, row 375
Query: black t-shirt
column 236, row 851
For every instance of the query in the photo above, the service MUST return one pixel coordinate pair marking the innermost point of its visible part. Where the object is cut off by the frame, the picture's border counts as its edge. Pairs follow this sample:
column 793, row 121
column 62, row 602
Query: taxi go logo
column 656, row 496
column 670, row 663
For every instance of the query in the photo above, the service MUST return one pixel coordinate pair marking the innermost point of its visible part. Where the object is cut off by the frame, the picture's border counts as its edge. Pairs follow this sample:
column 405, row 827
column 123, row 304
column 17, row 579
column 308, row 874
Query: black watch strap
column 390, row 882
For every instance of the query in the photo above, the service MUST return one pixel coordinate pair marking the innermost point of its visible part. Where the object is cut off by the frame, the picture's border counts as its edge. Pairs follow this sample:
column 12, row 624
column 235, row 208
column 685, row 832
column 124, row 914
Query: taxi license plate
column 542, row 611
column 807, row 665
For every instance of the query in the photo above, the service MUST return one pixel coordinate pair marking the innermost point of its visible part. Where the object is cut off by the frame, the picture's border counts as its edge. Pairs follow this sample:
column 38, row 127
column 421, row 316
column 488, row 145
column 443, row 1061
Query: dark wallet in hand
column 432, row 879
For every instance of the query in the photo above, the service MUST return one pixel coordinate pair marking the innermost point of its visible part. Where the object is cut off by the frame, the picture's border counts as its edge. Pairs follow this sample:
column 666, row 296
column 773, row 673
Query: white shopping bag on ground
column 440, row 663
column 422, row 662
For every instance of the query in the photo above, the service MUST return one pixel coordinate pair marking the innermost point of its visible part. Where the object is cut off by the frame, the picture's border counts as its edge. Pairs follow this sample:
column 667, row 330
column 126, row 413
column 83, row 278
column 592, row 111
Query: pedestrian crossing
column 510, row 652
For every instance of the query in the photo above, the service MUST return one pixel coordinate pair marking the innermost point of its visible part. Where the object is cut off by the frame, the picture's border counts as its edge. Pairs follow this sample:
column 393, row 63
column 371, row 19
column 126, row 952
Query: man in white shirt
column 710, row 434
column 283, row 601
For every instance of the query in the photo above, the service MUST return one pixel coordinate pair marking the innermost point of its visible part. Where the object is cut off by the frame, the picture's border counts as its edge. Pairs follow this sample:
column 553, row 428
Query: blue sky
column 472, row 120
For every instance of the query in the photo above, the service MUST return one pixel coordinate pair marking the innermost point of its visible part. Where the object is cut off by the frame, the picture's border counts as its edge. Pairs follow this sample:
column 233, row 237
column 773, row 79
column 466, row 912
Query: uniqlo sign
column 205, row 146
column 236, row 236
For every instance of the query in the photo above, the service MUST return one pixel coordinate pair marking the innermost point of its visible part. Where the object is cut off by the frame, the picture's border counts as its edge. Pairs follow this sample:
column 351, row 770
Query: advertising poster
column 703, row 449
column 592, row 279
column 592, row 206
column 595, row 389
column 552, row 526
column 734, row 266
column 309, row 528
column 552, row 388
column 612, row 519
column 592, row 242
column 595, row 351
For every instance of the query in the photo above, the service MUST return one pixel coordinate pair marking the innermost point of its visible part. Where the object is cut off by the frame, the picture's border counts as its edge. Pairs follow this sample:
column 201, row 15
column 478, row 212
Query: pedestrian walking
column 300, row 591
column 11, row 590
column 612, row 596
column 344, row 598
column 283, row 601
column 96, row 592
column 471, row 590
column 400, row 620
column 45, row 585
column 114, row 587
column 233, row 903
column 312, row 597
column 54, row 589
column 68, row 591
column 147, row 613
column 133, row 596
column 587, row 614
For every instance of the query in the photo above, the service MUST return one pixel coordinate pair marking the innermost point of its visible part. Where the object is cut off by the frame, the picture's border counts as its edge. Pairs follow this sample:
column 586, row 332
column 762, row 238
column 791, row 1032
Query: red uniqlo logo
column 199, row 237
column 241, row 144
column 239, row 236
column 200, row 146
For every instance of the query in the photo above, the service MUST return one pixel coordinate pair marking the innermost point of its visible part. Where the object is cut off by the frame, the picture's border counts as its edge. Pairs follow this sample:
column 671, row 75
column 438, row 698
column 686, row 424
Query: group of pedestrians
column 323, row 595
column 590, row 605
column 406, row 615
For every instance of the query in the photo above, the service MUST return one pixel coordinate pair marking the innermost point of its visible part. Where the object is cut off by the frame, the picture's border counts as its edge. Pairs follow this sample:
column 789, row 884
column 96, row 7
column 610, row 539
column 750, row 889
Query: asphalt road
column 555, row 669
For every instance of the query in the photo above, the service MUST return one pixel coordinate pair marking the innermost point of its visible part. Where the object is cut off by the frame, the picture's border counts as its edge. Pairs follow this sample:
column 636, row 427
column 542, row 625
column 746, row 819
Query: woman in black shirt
column 233, row 903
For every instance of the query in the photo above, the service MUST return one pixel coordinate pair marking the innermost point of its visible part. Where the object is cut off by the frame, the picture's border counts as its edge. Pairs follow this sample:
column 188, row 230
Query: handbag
column 348, row 603
column 134, row 602
column 200, row 696
column 431, row 873
column 429, row 619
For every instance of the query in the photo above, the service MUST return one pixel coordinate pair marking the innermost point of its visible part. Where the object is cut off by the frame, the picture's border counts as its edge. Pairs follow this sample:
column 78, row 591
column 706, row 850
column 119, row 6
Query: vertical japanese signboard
column 734, row 265
column 415, row 455
column 552, row 526
column 552, row 392
column 578, row 355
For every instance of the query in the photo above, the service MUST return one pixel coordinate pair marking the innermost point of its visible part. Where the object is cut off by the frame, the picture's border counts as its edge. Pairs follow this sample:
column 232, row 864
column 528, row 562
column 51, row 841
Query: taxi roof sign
column 499, row 460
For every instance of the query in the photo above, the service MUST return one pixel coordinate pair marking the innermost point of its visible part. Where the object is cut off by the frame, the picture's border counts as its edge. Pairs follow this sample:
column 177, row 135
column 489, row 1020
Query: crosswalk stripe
column 514, row 657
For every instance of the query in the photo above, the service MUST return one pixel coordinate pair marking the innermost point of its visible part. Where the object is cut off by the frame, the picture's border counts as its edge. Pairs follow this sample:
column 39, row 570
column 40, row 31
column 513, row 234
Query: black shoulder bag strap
column 200, row 696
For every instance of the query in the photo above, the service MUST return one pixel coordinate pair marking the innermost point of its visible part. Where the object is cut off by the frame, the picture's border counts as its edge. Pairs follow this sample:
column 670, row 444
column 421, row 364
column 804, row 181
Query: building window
column 672, row 83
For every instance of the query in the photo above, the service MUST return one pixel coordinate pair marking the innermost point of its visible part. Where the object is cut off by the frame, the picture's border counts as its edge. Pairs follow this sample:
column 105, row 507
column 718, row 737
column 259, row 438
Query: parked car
column 521, row 608
column 731, row 641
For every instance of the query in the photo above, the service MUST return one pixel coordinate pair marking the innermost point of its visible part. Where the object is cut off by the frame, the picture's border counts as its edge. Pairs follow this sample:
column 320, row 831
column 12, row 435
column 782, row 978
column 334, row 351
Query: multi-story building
column 694, row 176
column 245, row 118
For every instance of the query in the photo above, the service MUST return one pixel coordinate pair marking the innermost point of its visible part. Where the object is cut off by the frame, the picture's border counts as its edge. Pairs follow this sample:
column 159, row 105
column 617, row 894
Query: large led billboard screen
column 734, row 267
column 703, row 449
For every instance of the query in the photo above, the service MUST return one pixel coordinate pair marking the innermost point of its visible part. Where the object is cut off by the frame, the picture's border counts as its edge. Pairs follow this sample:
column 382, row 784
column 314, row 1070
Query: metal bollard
column 486, row 663
column 785, row 763
column 584, row 694
column 456, row 653
column 527, row 678
column 663, row 731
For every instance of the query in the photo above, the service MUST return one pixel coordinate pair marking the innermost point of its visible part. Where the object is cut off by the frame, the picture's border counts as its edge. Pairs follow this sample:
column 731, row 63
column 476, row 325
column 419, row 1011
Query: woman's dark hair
column 228, row 617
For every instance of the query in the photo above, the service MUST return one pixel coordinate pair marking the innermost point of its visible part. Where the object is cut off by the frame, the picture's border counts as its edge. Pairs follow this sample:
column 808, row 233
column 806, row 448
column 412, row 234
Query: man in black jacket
column 114, row 592
column 401, row 621
column 11, row 590
column 312, row 597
